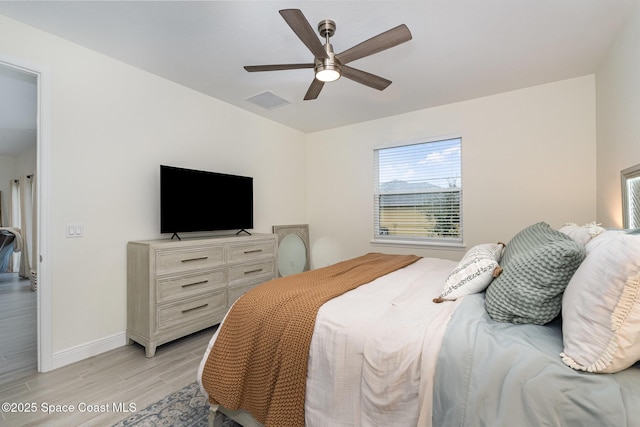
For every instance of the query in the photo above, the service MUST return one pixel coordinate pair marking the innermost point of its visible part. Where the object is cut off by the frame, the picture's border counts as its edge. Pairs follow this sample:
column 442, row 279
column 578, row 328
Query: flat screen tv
column 195, row 200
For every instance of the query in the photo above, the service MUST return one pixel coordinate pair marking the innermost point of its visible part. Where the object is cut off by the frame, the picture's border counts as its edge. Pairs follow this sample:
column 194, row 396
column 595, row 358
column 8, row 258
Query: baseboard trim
column 90, row 349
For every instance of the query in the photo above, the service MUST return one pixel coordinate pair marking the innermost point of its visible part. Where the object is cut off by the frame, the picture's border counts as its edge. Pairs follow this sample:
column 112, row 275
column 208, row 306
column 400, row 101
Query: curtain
column 33, row 237
column 14, row 220
column 23, row 203
column 26, row 220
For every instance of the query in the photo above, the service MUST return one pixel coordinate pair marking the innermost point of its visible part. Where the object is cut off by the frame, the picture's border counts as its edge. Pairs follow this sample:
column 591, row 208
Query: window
column 631, row 197
column 418, row 193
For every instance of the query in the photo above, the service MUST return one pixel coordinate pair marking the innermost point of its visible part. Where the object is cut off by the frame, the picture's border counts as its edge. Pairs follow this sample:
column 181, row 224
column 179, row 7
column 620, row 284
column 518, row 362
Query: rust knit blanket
column 259, row 359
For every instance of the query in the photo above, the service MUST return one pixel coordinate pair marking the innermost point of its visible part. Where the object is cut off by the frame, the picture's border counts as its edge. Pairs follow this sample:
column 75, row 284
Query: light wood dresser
column 178, row 287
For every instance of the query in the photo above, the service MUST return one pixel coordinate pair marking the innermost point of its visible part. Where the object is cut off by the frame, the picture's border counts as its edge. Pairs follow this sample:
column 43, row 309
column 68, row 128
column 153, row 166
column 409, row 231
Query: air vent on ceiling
column 267, row 100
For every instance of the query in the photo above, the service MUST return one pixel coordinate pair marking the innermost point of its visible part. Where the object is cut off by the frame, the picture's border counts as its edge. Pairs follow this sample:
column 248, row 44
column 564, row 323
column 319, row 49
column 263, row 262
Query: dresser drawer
column 251, row 251
column 250, row 271
column 188, row 259
column 185, row 285
column 194, row 309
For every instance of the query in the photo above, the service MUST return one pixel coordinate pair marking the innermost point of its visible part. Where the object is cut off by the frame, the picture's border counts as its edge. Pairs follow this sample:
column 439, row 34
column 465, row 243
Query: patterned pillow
column 476, row 270
column 601, row 306
column 537, row 266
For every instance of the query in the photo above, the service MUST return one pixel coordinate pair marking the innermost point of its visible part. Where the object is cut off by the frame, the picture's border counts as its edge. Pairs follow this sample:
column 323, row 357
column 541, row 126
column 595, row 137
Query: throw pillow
column 476, row 270
column 581, row 234
column 537, row 265
column 601, row 306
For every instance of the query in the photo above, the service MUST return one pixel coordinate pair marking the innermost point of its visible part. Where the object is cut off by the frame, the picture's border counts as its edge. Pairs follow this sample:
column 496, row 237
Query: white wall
column 618, row 124
column 112, row 126
column 25, row 163
column 527, row 156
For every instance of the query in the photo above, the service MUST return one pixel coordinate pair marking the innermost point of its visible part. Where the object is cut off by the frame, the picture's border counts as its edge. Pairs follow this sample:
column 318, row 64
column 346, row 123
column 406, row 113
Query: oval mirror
column 292, row 256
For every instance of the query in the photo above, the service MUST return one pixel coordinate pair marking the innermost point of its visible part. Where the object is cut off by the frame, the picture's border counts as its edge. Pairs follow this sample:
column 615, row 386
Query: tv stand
column 242, row 231
column 176, row 236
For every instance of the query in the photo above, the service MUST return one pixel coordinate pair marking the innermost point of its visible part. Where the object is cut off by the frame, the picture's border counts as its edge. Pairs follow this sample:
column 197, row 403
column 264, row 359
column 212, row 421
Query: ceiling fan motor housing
column 328, row 65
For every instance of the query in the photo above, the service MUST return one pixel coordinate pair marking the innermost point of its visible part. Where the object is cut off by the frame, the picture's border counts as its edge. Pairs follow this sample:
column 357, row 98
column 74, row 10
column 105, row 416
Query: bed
column 445, row 343
column 10, row 242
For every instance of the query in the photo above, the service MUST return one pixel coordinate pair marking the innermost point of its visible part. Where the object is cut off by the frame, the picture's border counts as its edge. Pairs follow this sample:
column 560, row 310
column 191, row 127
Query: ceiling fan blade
column 365, row 78
column 383, row 41
column 314, row 90
column 303, row 30
column 277, row 67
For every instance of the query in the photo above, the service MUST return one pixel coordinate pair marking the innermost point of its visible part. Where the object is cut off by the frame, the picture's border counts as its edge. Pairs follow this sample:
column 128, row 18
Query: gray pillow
column 537, row 266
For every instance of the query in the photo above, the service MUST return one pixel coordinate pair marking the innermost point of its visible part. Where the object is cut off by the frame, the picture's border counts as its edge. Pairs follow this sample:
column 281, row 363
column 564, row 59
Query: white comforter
column 374, row 349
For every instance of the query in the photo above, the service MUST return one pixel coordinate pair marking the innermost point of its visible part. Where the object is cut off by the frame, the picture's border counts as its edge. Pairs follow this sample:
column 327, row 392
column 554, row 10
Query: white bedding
column 374, row 349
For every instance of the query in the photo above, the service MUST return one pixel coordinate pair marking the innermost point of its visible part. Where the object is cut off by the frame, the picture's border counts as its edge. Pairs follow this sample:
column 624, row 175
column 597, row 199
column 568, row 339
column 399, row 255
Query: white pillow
column 581, row 234
column 474, row 273
column 601, row 306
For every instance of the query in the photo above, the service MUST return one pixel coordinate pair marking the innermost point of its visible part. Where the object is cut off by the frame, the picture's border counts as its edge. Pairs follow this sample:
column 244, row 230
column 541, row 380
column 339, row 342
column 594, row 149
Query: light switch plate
column 74, row 230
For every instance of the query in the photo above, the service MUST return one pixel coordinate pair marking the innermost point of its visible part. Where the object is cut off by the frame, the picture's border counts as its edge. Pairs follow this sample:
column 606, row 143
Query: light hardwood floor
column 121, row 378
column 18, row 332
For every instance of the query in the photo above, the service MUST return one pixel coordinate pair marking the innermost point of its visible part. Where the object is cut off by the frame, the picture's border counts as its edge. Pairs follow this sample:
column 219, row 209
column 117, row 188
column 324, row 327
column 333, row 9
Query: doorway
column 18, row 163
column 26, row 144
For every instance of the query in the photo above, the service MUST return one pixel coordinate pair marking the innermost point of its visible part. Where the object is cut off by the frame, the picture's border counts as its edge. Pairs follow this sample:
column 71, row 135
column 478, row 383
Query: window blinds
column 417, row 192
column 631, row 197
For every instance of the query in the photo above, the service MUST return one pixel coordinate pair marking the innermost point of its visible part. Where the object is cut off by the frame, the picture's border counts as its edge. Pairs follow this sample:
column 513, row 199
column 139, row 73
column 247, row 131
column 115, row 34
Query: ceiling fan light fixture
column 327, row 72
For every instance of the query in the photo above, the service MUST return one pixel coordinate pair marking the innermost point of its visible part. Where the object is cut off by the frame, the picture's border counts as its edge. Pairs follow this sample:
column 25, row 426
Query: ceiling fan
column 328, row 65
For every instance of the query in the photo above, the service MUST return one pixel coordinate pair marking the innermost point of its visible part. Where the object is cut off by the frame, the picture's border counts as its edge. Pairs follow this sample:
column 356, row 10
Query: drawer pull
column 194, row 259
column 194, row 308
column 253, row 251
column 195, row 283
column 253, row 271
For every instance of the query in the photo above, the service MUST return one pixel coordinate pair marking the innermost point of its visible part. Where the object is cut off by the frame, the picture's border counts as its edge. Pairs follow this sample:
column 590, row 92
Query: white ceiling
column 461, row 49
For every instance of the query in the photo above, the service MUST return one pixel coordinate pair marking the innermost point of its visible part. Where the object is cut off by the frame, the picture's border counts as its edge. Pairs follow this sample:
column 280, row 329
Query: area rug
column 186, row 407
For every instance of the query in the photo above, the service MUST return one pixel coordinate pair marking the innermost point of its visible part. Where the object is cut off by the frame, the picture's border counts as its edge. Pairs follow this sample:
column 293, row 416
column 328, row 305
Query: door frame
column 43, row 174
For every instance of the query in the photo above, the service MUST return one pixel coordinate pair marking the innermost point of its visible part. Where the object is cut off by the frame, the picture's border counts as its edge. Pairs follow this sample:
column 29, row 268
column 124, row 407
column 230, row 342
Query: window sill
column 418, row 244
